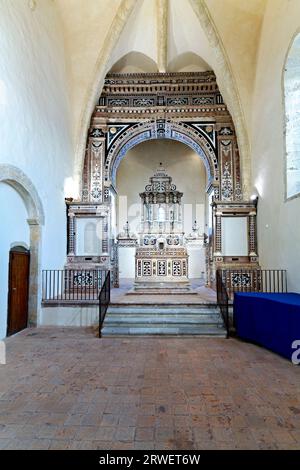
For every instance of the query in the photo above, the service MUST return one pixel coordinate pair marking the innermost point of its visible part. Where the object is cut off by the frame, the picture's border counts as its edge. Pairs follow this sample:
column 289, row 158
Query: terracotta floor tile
column 145, row 393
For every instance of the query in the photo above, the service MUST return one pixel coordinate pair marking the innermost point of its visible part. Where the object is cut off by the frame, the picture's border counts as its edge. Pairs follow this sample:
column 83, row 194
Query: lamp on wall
column 254, row 198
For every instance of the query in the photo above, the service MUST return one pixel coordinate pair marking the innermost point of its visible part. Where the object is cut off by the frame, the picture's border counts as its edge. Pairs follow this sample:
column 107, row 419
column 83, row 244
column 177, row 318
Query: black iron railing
column 229, row 281
column 254, row 280
column 222, row 300
column 71, row 285
column 104, row 300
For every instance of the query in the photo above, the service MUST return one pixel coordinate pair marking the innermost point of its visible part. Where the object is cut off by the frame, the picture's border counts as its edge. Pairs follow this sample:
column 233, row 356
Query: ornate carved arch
column 187, row 107
column 197, row 139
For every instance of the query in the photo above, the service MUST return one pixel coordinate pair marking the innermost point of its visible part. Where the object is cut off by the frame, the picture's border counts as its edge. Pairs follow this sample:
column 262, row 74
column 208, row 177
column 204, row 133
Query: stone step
column 167, row 305
column 165, row 330
column 163, row 310
column 172, row 319
column 157, row 319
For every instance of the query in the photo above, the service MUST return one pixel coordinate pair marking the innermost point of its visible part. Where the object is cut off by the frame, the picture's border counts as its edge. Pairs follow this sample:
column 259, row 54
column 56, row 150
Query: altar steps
column 172, row 320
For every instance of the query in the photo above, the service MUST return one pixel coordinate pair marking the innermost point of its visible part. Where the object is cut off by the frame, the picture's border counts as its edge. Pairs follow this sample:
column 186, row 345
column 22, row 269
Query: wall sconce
column 254, row 198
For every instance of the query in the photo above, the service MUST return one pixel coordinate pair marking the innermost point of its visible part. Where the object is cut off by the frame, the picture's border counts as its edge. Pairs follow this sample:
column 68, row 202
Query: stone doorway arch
column 18, row 180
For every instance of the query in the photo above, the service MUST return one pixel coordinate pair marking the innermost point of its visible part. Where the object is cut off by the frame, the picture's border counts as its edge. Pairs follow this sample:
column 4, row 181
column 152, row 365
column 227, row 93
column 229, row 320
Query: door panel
column 18, row 291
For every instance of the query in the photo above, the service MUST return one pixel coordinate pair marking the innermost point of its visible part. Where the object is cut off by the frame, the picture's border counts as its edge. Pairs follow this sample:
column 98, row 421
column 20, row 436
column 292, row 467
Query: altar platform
column 189, row 314
column 199, row 294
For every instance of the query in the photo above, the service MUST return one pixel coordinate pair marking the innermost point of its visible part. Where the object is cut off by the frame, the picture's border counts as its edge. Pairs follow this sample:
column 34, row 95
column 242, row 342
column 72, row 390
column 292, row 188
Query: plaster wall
column 278, row 220
column 139, row 33
column 70, row 316
column 85, row 27
column 14, row 231
column 239, row 23
column 126, row 262
column 181, row 163
column 35, row 129
column 185, row 35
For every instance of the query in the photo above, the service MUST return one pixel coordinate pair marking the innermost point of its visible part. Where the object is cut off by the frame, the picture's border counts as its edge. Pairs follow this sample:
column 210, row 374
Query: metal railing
column 71, row 285
column 104, row 300
column 222, row 300
column 254, row 280
column 229, row 281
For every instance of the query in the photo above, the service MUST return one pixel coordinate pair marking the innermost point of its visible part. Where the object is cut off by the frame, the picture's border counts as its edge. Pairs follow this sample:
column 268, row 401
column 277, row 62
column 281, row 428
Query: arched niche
column 20, row 182
column 184, row 166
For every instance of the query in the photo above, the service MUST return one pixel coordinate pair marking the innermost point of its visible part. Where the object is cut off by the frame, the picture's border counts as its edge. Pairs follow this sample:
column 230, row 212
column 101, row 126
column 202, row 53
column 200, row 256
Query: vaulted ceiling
column 160, row 35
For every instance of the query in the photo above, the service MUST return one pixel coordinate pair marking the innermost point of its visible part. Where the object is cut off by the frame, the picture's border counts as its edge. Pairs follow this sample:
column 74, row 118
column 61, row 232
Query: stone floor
column 66, row 389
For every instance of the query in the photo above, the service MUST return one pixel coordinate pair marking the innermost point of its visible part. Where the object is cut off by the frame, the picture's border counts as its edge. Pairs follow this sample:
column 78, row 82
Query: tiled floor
column 66, row 389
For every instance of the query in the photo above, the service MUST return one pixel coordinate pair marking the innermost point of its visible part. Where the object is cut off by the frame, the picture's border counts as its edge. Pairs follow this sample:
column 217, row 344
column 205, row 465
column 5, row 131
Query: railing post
column 104, row 299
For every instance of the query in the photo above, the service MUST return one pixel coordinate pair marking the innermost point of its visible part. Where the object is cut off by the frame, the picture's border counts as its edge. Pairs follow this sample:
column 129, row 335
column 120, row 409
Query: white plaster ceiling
column 140, row 44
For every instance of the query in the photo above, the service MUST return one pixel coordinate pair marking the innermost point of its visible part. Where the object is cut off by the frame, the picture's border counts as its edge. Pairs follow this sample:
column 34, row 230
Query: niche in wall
column 88, row 236
column 234, row 236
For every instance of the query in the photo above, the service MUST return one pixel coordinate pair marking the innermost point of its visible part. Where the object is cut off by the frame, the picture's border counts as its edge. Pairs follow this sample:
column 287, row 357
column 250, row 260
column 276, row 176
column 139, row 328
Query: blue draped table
column 271, row 320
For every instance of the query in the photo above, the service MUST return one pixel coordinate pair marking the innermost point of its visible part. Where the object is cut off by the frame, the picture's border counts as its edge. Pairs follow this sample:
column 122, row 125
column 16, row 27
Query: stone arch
column 15, row 178
column 146, row 130
column 227, row 84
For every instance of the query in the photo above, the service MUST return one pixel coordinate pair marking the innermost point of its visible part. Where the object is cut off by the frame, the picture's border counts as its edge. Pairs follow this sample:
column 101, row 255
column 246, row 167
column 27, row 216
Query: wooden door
column 18, row 290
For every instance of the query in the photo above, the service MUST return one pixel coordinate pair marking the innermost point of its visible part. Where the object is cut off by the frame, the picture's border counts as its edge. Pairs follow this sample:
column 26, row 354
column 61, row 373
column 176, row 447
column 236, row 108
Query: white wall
column 278, row 221
column 126, row 262
column 34, row 111
column 34, row 114
column 14, row 230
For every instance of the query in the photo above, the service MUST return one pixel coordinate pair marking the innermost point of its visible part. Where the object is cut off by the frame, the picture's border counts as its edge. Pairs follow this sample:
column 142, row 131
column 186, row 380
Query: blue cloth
column 271, row 320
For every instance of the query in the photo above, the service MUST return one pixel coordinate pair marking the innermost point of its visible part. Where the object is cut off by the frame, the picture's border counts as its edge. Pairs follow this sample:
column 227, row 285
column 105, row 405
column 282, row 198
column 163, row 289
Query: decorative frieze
column 92, row 187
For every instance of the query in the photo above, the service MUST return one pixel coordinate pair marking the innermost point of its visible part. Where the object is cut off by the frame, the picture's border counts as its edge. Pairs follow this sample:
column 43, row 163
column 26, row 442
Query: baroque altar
column 161, row 259
column 186, row 107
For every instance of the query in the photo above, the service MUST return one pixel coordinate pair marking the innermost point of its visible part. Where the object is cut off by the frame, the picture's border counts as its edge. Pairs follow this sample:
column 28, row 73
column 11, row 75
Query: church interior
column 150, row 240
